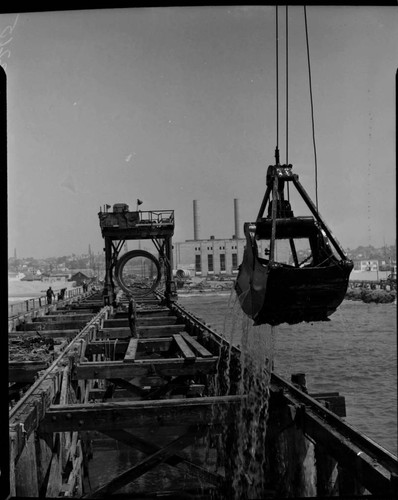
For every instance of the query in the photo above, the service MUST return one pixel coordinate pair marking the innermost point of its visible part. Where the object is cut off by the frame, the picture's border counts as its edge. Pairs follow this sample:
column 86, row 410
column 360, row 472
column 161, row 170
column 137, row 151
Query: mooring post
column 299, row 380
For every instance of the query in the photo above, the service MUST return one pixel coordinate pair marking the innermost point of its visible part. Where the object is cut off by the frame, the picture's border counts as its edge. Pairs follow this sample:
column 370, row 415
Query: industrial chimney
column 195, row 220
column 236, row 215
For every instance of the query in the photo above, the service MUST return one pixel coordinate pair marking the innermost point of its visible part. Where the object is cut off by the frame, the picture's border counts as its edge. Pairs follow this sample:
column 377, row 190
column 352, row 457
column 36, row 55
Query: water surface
column 354, row 354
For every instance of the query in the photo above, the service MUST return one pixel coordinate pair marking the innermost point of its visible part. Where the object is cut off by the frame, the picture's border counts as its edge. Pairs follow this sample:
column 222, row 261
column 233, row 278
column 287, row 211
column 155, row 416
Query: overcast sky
column 172, row 105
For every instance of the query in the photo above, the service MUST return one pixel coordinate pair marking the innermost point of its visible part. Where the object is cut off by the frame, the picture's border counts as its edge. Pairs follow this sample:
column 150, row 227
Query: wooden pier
column 153, row 394
column 135, row 397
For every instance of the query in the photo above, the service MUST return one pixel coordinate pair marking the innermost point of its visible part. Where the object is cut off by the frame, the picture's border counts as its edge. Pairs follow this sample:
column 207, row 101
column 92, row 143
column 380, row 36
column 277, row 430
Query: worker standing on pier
column 50, row 294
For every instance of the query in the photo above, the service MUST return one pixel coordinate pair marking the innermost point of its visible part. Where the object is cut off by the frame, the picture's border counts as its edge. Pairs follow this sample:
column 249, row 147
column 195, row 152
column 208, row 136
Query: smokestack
column 195, row 220
column 236, row 214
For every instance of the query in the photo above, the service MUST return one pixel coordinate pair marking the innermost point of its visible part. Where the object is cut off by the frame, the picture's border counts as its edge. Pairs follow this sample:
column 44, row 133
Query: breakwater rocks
column 378, row 296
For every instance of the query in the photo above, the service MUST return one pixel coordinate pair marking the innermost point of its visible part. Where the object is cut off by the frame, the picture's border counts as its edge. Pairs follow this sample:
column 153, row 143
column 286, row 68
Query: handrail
column 34, row 303
column 156, row 216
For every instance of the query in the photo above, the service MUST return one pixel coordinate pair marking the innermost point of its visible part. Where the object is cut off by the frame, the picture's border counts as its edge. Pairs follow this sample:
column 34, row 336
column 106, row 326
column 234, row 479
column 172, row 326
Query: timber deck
column 147, row 390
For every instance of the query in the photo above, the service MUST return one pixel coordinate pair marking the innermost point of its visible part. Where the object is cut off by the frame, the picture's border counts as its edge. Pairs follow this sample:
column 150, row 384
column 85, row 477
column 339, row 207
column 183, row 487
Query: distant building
column 14, row 276
column 79, row 277
column 209, row 257
column 54, row 278
column 213, row 257
column 369, row 265
column 87, row 271
column 30, row 276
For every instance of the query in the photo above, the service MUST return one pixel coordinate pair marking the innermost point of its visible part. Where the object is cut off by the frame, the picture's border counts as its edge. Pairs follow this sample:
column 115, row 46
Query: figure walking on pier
column 50, row 294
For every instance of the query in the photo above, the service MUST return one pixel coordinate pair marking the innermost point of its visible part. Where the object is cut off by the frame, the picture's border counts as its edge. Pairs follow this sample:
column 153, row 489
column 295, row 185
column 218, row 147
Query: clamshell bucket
column 308, row 286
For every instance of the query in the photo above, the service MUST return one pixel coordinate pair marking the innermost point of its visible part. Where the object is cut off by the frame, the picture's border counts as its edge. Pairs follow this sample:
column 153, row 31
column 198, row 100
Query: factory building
column 212, row 256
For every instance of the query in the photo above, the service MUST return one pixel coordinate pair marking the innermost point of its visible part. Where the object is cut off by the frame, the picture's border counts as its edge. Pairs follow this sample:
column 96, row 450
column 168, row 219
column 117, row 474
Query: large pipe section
column 195, row 220
column 236, row 218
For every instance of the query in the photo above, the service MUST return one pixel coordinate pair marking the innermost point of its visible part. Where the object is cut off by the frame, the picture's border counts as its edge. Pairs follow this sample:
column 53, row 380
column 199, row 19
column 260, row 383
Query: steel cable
column 312, row 106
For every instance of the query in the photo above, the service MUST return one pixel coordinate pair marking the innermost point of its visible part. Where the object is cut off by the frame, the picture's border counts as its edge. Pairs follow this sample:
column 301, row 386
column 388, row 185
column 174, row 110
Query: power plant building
column 212, row 256
column 209, row 257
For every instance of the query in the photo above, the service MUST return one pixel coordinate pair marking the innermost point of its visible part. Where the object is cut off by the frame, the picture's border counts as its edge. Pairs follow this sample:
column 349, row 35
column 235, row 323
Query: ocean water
column 355, row 354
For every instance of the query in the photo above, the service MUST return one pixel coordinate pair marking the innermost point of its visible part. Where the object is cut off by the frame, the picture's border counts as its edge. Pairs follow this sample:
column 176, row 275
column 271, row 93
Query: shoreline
column 355, row 295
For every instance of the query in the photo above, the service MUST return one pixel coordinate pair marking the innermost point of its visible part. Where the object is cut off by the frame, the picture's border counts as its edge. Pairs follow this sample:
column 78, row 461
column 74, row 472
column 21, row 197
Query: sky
column 171, row 105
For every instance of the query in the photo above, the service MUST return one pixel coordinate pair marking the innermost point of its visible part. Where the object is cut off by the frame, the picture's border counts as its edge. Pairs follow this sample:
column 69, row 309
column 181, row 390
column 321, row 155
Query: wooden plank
column 129, row 357
column 141, row 321
column 159, row 311
column 44, row 445
column 26, row 471
column 144, row 333
column 47, row 334
column 64, row 311
column 68, row 487
column 55, row 478
column 159, row 330
column 157, row 320
column 64, row 317
column 140, row 414
column 114, row 333
column 148, row 463
column 197, row 348
column 183, row 346
column 26, row 419
column 363, row 467
column 64, row 386
column 108, row 347
column 150, row 320
column 170, row 367
column 42, row 325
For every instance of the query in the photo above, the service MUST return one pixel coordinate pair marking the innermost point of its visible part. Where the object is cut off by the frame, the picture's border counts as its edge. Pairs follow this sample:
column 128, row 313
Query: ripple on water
column 354, row 354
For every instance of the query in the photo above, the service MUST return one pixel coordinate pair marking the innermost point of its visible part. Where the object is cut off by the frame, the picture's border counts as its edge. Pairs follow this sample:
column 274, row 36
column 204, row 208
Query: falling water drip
column 241, row 444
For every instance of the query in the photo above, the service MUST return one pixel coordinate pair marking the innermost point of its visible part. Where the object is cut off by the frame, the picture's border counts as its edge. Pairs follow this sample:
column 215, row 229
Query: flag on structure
column 139, row 202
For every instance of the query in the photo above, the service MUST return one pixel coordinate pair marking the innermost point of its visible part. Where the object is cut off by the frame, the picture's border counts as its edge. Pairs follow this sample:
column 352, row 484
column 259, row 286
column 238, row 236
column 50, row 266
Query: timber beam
column 140, row 414
column 47, row 334
column 71, row 316
column 372, row 466
column 170, row 367
column 120, row 347
column 141, row 321
column 52, row 325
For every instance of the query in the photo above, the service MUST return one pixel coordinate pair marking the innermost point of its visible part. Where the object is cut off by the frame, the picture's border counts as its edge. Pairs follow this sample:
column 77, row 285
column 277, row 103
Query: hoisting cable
column 277, row 91
column 312, row 106
column 287, row 95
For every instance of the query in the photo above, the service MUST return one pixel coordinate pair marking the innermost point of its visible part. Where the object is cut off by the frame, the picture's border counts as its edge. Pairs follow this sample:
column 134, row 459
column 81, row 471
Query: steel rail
column 55, row 363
